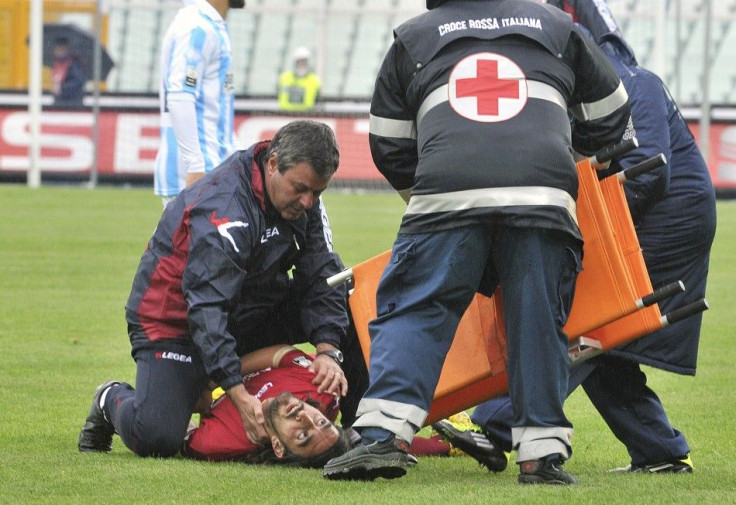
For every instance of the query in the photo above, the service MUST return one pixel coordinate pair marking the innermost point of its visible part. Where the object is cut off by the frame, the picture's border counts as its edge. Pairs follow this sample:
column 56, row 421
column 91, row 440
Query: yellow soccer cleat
column 462, row 434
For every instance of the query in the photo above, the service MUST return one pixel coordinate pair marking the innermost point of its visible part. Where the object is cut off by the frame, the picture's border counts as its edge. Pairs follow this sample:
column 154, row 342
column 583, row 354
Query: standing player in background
column 196, row 93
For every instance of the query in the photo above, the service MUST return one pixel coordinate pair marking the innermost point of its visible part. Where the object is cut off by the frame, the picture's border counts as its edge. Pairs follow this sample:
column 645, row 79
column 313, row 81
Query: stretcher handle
column 340, row 278
column 684, row 312
column 660, row 294
column 606, row 154
column 641, row 168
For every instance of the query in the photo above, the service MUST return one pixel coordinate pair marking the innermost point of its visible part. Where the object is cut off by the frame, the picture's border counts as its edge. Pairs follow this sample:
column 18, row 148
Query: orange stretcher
column 614, row 301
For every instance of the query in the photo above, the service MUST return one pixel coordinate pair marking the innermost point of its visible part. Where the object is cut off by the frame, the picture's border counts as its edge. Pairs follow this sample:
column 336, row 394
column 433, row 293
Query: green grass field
column 67, row 258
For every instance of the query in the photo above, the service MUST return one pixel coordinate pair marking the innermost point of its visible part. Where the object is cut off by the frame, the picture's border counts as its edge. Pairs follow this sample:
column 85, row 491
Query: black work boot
column 386, row 459
column 547, row 470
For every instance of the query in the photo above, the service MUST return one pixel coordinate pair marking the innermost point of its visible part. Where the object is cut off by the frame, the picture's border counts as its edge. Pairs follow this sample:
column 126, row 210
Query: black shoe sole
column 535, row 479
column 671, row 470
column 368, row 470
column 366, row 474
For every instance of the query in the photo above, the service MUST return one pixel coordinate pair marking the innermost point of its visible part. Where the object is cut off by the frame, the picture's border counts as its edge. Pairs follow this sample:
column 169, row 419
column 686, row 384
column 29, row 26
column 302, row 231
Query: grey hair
column 306, row 141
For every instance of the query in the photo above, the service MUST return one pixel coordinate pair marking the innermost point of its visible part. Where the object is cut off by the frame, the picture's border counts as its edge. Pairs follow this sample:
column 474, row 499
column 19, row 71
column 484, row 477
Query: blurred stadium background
column 691, row 44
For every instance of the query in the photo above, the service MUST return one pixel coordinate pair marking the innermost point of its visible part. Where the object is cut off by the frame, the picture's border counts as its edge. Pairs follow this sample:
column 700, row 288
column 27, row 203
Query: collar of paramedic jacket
column 206, row 8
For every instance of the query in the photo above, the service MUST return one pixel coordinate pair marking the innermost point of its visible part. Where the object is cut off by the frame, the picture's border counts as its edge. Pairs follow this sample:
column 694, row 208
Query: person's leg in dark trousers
column 424, row 291
column 495, row 418
column 496, row 415
column 634, row 413
column 152, row 419
column 537, row 270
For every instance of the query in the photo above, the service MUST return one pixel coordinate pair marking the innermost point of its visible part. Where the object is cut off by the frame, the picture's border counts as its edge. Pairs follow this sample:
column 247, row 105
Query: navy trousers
column 152, row 419
column 618, row 390
column 429, row 282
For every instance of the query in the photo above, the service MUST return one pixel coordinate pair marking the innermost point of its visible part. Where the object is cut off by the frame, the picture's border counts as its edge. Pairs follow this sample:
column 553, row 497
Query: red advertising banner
column 128, row 142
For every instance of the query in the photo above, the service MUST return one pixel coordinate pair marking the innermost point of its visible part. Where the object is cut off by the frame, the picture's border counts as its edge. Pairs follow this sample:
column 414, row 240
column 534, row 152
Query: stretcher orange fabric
column 648, row 319
column 475, row 367
column 605, row 307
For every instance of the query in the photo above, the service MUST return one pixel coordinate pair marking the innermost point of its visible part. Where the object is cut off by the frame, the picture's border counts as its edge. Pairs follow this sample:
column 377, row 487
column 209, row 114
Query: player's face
column 301, row 428
column 294, row 191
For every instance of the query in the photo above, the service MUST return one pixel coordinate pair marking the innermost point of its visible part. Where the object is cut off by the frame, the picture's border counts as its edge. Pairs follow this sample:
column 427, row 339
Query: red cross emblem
column 487, row 87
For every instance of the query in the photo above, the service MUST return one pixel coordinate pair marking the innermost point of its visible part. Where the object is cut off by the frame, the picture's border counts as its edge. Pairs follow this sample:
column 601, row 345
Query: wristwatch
column 334, row 354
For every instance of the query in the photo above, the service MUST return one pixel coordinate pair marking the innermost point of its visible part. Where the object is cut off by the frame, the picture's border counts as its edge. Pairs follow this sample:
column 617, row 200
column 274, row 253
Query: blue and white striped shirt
column 197, row 97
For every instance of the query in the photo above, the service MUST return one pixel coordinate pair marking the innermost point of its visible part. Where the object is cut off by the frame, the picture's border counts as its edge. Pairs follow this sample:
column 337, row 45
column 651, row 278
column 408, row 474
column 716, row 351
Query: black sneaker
column 475, row 444
column 367, row 462
column 678, row 465
column 97, row 432
column 544, row 471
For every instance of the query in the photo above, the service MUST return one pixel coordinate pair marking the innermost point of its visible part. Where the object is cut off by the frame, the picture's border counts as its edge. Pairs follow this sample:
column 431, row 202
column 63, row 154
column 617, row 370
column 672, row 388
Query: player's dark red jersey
column 221, row 435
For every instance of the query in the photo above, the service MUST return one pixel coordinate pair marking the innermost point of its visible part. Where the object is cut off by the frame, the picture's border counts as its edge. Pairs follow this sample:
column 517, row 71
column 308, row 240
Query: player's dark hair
column 306, row 141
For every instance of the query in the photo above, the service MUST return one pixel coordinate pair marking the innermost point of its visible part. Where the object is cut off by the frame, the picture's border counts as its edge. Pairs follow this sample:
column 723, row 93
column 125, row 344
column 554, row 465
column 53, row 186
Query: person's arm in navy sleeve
column 599, row 102
column 649, row 114
column 211, row 285
column 392, row 132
